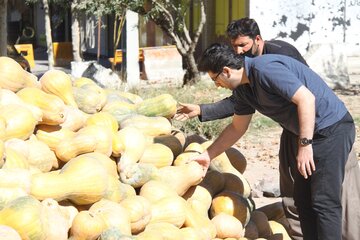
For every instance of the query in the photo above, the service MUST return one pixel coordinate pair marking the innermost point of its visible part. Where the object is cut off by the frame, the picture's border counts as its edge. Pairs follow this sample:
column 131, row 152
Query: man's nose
column 239, row 50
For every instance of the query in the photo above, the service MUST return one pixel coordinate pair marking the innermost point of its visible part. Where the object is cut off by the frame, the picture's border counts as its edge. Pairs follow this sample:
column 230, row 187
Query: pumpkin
column 103, row 119
column 273, row 211
column 231, row 203
column 88, row 139
column 52, row 135
column 113, row 214
column 40, row 155
column 262, row 223
column 9, row 194
column 164, row 230
column 8, row 233
column 131, row 96
column 16, row 121
column 222, row 164
column 181, row 178
column 120, row 110
column 158, row 155
column 199, row 198
column 15, row 178
column 137, row 174
column 113, row 233
column 130, row 143
column 52, row 213
column 14, row 77
column 58, row 83
column 154, row 190
column 83, row 180
column 78, row 82
column 24, row 215
column 90, row 98
column 87, row 225
column 9, row 97
column 2, row 150
column 114, row 96
column 170, row 209
column 171, row 142
column 152, row 126
column 163, row 105
column 191, row 150
column 52, row 106
column 227, row 226
column 75, row 119
column 251, row 230
column 190, row 233
column 277, row 228
column 237, row 159
column 15, row 159
column 201, row 223
column 139, row 209
column 214, row 182
column 118, row 191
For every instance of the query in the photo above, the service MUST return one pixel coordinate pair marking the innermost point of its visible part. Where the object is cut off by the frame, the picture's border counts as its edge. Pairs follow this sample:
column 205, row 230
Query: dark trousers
column 318, row 198
column 288, row 171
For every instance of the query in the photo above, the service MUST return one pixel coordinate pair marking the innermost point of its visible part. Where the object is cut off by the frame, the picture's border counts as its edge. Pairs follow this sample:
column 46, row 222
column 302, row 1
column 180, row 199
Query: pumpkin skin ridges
column 163, row 105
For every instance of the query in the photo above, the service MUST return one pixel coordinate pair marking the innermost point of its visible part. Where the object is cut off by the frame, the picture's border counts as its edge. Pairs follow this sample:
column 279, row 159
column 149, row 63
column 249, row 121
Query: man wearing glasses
column 245, row 38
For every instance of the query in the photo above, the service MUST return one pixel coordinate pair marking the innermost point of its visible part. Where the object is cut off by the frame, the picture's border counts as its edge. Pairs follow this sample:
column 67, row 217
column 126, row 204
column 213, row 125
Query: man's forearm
column 218, row 110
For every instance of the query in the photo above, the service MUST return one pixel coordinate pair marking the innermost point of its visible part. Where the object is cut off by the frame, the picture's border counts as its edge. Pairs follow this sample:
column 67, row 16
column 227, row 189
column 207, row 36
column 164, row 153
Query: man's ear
column 227, row 71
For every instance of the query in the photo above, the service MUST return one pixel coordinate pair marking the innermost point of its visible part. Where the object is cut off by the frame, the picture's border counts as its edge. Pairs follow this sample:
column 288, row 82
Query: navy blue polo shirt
column 274, row 79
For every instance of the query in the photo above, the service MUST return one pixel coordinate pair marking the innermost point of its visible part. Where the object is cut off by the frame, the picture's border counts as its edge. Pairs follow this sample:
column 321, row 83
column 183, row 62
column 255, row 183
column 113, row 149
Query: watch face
column 305, row 141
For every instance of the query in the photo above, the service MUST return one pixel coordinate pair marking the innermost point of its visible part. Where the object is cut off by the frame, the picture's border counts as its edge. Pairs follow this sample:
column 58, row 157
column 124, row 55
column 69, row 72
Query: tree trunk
column 48, row 34
column 192, row 74
column 3, row 28
column 75, row 32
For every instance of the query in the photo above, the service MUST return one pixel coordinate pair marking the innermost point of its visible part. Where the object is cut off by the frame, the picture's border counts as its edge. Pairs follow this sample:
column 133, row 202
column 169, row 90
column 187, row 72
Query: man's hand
column 204, row 160
column 305, row 161
column 186, row 111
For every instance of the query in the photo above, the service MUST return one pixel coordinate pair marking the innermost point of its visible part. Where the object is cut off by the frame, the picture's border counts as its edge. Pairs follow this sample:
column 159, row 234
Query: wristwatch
column 305, row 141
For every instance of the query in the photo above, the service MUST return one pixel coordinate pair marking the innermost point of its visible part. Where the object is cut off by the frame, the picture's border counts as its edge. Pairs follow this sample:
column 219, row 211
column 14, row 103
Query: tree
column 103, row 7
column 170, row 17
column 3, row 28
column 75, row 31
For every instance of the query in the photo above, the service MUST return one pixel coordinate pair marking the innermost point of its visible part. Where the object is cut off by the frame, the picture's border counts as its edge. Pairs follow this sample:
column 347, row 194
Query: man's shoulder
column 277, row 44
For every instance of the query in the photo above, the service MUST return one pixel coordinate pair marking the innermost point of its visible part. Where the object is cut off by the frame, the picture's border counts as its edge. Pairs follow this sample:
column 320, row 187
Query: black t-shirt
column 225, row 107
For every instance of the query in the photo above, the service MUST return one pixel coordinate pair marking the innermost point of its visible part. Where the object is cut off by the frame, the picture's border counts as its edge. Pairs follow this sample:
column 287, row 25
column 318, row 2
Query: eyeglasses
column 214, row 79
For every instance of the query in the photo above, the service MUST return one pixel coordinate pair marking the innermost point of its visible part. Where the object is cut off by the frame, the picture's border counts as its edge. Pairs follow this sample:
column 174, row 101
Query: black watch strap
column 305, row 141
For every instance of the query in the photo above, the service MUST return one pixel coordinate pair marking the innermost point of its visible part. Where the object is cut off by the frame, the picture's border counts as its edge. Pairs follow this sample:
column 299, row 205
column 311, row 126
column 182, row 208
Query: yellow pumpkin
column 8, row 233
column 87, row 225
column 25, row 216
column 277, row 228
column 90, row 98
column 152, row 126
column 103, row 119
column 75, row 119
column 227, row 226
column 113, row 214
column 53, row 135
column 154, row 190
column 163, row 105
column 171, row 209
column 182, row 177
column 158, row 155
column 232, row 204
column 52, row 106
column 7, row 194
column 58, row 83
column 87, row 139
column 130, row 143
column 139, row 209
column 16, row 121
column 52, row 213
column 82, row 81
column 137, row 174
column 83, row 180
column 222, row 164
column 14, row 77
column 15, row 178
column 199, row 198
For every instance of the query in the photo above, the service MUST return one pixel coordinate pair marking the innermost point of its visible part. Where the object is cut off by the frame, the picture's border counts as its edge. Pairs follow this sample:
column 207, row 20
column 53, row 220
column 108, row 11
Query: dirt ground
column 261, row 151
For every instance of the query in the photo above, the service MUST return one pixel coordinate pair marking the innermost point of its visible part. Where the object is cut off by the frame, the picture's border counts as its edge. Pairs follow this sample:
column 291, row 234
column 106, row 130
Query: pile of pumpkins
column 81, row 162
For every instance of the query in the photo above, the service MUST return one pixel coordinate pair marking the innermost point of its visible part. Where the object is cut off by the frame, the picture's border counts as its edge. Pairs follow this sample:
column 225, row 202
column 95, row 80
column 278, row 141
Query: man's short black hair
column 243, row 27
column 217, row 56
